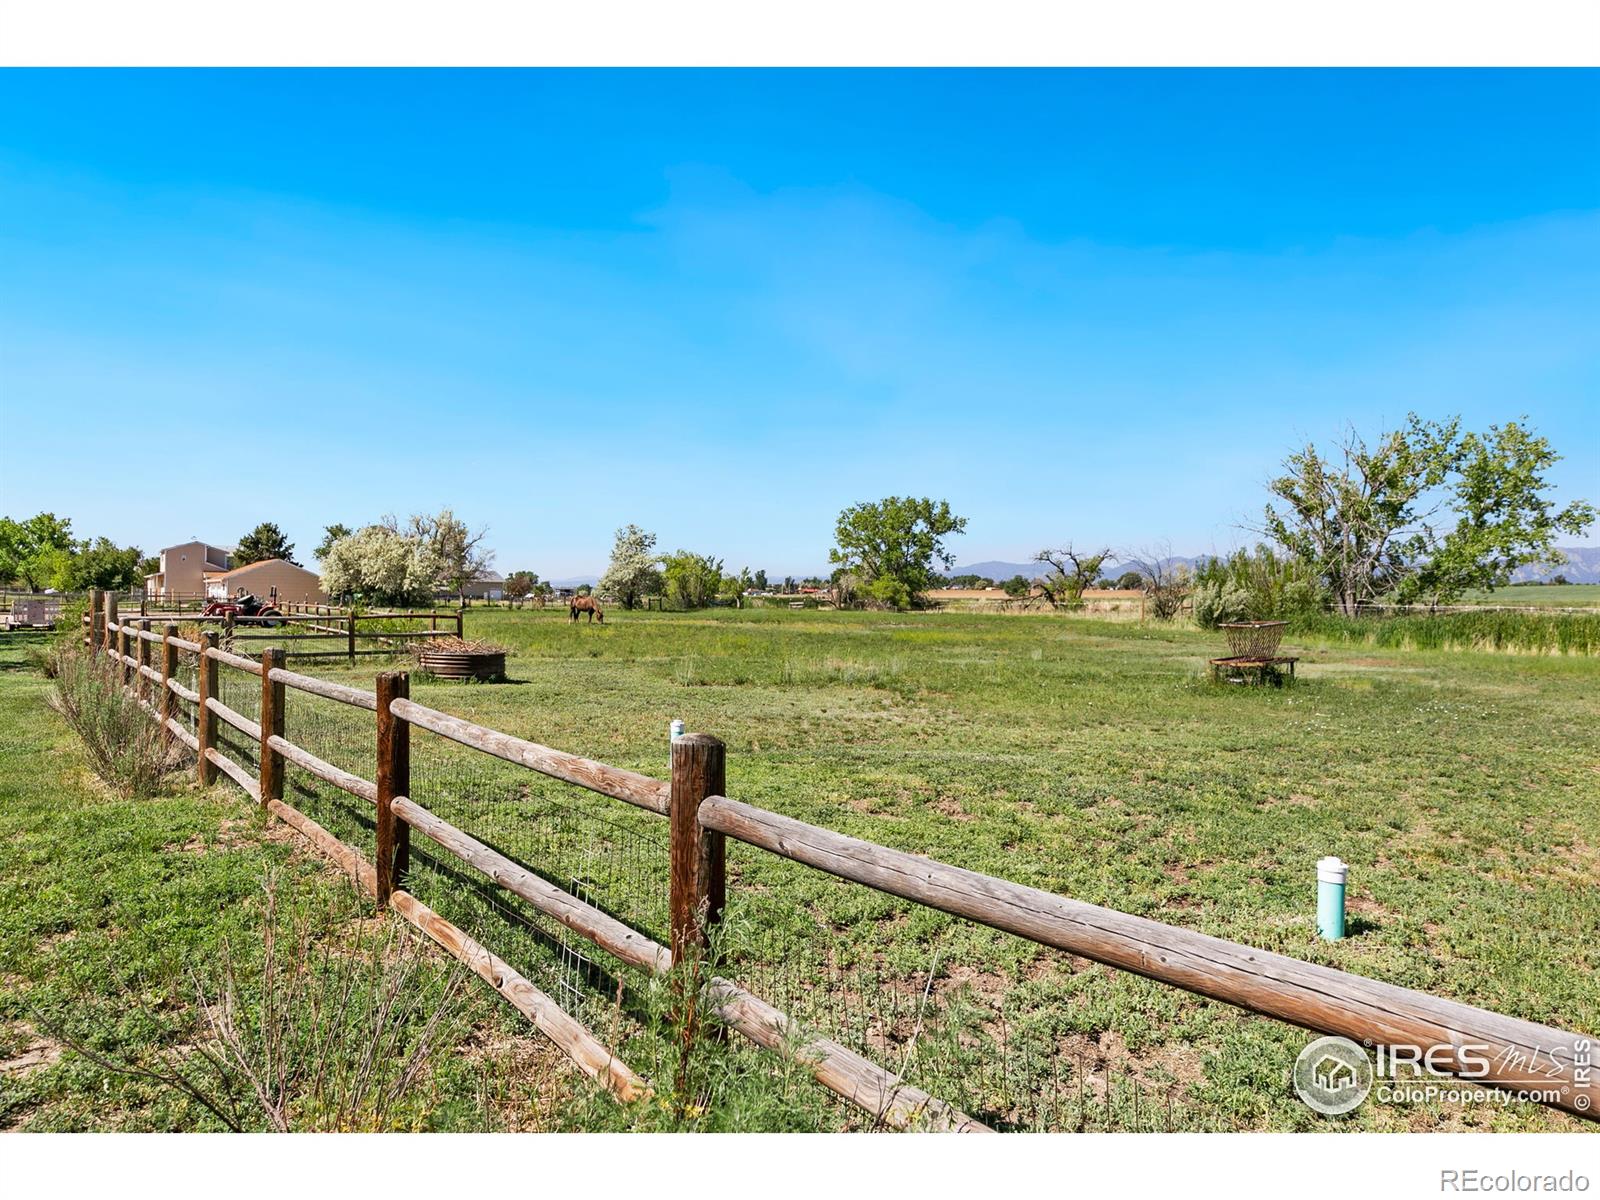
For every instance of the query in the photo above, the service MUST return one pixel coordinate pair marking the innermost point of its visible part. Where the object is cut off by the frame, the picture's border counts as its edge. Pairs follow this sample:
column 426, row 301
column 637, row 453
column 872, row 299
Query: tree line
column 1422, row 513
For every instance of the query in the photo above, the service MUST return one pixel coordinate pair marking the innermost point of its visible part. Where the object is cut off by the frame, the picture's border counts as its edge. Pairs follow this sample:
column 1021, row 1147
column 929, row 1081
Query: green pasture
column 1088, row 758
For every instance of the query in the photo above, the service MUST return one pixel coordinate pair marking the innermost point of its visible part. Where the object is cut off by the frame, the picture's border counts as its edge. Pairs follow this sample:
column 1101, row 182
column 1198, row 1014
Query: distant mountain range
column 1582, row 566
column 1005, row 570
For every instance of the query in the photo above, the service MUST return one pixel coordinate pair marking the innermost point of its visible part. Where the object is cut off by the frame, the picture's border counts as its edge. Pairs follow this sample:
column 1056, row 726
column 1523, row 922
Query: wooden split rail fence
column 1550, row 1064
column 320, row 630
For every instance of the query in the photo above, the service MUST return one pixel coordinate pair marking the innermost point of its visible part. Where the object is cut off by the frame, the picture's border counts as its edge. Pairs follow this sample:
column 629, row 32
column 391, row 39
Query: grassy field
column 1088, row 758
column 1572, row 595
column 112, row 910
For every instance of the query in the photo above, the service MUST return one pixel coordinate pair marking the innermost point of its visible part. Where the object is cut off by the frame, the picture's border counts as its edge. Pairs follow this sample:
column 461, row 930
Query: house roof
column 265, row 562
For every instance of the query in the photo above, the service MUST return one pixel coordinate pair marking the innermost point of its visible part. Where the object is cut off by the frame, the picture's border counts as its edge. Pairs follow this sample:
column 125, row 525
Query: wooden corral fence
column 1550, row 1064
column 321, row 630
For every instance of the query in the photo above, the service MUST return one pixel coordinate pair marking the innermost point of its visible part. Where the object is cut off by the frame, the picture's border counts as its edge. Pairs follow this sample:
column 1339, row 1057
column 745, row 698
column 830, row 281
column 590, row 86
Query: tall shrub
column 124, row 746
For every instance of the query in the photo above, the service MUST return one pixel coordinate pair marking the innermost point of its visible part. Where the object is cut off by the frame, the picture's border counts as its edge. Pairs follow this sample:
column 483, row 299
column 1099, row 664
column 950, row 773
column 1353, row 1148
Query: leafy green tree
column 520, row 584
column 731, row 588
column 889, row 592
column 1130, row 581
column 690, row 580
column 330, row 535
column 149, row 565
column 1504, row 518
column 1375, row 519
column 33, row 551
column 103, row 564
column 1070, row 572
column 265, row 541
column 896, row 540
column 761, row 581
column 1017, row 587
column 632, row 574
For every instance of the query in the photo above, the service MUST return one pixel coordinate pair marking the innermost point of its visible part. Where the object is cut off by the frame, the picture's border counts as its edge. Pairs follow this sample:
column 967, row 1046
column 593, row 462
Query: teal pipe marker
column 1331, row 873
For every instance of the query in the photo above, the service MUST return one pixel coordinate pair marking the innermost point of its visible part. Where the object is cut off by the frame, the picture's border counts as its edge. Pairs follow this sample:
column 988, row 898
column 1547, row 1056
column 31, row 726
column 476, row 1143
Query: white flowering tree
column 633, row 573
column 381, row 565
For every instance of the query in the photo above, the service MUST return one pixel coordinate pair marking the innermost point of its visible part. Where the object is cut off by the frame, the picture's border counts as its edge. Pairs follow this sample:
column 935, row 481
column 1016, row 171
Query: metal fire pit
column 464, row 664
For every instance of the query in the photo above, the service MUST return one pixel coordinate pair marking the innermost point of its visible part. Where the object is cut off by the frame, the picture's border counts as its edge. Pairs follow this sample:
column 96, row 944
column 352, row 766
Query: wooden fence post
column 116, row 640
column 205, row 720
column 227, row 632
column 143, row 656
column 458, row 622
column 394, row 779
column 97, row 622
column 169, row 668
column 352, row 637
column 108, row 622
column 699, row 878
column 271, row 725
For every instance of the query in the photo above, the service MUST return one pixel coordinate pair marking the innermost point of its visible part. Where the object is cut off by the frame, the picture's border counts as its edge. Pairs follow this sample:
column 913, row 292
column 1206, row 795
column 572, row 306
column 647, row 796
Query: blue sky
column 1088, row 305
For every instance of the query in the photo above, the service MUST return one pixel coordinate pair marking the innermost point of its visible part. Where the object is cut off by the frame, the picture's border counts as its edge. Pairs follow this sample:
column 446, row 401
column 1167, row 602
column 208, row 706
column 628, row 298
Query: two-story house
column 184, row 568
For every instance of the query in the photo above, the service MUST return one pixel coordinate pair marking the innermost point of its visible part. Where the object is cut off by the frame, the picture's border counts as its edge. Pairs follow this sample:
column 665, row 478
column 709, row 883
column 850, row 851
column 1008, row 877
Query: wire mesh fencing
column 241, row 692
column 944, row 1004
column 345, row 737
column 186, row 672
column 595, row 849
column 951, row 1007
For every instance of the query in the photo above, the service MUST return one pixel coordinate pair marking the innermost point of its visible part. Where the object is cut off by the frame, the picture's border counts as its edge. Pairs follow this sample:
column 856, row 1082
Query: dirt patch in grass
column 37, row 1055
column 232, row 833
column 950, row 807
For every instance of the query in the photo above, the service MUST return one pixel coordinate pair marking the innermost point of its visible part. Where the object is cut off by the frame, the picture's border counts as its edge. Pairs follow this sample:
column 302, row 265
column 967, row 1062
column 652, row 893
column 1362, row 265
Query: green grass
column 1090, row 759
column 1552, row 632
column 1085, row 757
column 112, row 911
column 1568, row 595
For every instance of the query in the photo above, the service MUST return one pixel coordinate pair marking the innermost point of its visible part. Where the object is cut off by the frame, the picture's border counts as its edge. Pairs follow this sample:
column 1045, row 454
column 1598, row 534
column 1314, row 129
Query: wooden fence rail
column 1522, row 1055
column 330, row 633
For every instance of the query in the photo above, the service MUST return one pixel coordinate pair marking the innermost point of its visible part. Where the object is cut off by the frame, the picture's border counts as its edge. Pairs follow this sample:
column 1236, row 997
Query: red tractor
column 243, row 604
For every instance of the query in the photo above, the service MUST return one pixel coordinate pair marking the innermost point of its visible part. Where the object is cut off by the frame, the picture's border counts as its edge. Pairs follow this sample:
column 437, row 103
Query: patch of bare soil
column 951, row 808
column 233, row 832
column 40, row 1053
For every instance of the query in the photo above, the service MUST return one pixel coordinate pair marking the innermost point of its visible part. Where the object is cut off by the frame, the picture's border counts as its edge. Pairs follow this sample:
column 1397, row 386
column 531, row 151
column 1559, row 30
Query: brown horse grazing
column 586, row 604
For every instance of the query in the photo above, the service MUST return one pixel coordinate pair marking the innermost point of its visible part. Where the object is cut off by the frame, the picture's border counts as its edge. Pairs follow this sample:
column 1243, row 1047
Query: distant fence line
column 1424, row 610
column 1523, row 1056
